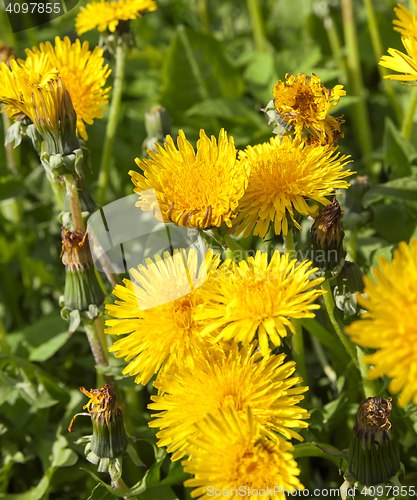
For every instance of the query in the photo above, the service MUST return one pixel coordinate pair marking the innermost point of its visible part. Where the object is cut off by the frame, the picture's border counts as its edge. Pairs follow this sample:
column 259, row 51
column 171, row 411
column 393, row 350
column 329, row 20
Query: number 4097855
column 33, row 7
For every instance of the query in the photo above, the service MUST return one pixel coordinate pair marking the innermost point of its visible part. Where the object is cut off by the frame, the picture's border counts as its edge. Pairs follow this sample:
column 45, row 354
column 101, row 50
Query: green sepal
column 14, row 134
column 82, row 289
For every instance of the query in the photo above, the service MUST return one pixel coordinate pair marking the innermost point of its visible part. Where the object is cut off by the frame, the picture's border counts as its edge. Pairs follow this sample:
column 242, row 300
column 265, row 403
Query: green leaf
column 325, row 337
column 403, row 191
column 44, row 330
column 100, row 493
column 49, row 348
column 35, row 493
column 397, row 151
column 176, row 475
column 9, row 187
column 393, row 223
column 196, row 69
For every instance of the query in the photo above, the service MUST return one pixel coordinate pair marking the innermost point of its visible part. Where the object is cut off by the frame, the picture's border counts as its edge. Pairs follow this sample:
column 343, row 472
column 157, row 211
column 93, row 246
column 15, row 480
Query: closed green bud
column 81, row 285
column 373, row 453
column 326, row 240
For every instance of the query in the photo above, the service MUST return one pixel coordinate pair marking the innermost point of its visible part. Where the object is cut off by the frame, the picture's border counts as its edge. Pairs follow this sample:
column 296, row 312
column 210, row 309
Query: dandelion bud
column 81, row 286
column 109, row 439
column 326, row 237
column 373, row 453
column 55, row 118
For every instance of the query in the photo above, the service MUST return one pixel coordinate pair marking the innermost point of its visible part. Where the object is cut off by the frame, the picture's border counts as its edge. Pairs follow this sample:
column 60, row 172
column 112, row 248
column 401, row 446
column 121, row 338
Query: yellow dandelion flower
column 18, row 81
column 196, row 189
column 283, row 174
column 406, row 24
column 234, row 457
column 83, row 74
column 389, row 325
column 256, row 296
column 402, row 63
column 220, row 379
column 106, row 15
column 304, row 103
column 158, row 313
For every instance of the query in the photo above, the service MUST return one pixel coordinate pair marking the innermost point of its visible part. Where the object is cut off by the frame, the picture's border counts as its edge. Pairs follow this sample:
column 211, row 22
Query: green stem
column 330, row 307
column 204, row 14
column 3, row 337
column 201, row 84
column 378, row 50
column 57, row 188
column 255, row 15
column 103, row 178
column 336, row 47
column 407, row 124
column 321, row 356
column 297, row 340
column 119, row 484
column 234, row 246
column 368, row 385
column 96, row 347
column 74, row 201
column 360, row 111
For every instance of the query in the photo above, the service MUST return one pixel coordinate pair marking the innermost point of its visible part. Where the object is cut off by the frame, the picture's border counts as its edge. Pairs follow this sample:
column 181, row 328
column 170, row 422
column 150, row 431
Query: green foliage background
column 209, row 71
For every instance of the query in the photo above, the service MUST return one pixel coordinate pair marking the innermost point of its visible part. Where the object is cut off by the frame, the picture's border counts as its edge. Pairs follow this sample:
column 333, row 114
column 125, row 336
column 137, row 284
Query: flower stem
column 368, row 385
column 57, row 188
column 257, row 25
column 360, row 111
column 204, row 14
column 297, row 340
column 103, row 178
column 377, row 46
column 96, row 346
column 330, row 306
column 74, row 201
column 407, row 124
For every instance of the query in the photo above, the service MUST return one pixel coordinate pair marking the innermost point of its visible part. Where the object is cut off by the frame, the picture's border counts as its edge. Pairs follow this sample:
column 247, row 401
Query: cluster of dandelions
column 227, row 402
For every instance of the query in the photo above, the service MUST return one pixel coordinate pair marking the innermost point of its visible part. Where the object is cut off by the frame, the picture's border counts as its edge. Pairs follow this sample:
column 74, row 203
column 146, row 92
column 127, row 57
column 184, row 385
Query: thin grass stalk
column 103, row 178
column 378, row 50
column 330, row 307
column 204, row 15
column 336, row 47
column 360, row 113
column 368, row 384
column 407, row 124
column 201, row 84
column 258, row 28
column 297, row 341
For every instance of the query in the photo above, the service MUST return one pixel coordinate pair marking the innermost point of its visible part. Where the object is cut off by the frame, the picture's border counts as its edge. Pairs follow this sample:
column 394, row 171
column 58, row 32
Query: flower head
column 158, row 311
column 55, row 118
column 220, row 379
column 283, row 174
column 406, row 24
column 303, row 102
column 106, row 15
column 233, row 454
column 18, row 81
column 402, row 63
column 83, row 74
column 389, row 324
column 196, row 189
column 256, row 296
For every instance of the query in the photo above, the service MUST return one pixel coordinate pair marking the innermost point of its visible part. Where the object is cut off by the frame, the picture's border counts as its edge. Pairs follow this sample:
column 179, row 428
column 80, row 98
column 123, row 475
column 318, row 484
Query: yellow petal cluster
column 304, row 102
column 193, row 188
column 157, row 312
column 257, row 296
column 233, row 377
column 104, row 15
column 389, row 325
column 284, row 174
column 234, row 458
